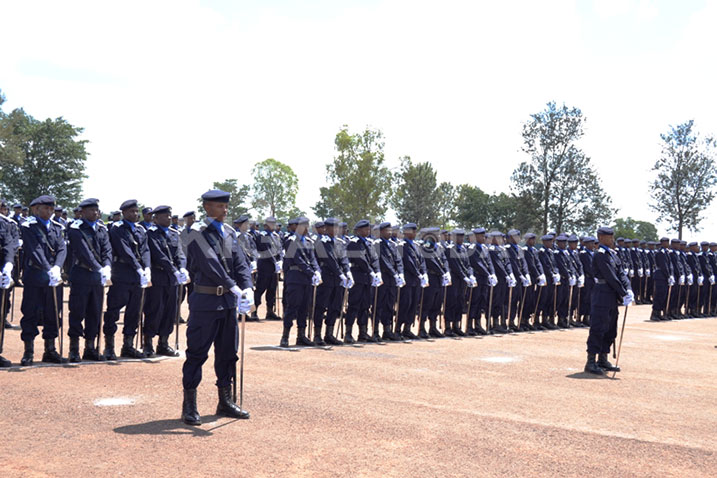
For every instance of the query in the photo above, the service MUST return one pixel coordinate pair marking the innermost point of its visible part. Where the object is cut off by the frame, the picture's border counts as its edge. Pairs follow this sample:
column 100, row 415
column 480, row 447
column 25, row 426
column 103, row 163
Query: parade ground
column 516, row 405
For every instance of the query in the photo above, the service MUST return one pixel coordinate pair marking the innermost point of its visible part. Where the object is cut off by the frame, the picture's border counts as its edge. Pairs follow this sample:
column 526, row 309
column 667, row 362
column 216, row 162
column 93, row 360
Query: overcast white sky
column 175, row 95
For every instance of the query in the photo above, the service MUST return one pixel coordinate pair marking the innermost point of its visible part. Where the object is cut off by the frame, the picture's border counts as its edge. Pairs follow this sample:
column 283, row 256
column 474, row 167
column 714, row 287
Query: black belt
column 203, row 289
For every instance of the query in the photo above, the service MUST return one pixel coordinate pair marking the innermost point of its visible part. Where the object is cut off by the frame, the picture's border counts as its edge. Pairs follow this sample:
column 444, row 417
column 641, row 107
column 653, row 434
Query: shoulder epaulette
column 198, row 226
column 292, row 238
column 601, row 250
column 57, row 223
column 449, row 246
column 263, row 233
column 118, row 223
column 325, row 239
column 30, row 221
column 152, row 228
column 353, row 239
column 140, row 226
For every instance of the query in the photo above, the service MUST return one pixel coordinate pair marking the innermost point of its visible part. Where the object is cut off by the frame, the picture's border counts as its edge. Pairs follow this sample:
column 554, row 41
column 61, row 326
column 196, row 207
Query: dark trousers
column 500, row 298
column 603, row 325
column 85, row 304
column 329, row 299
column 386, row 304
column 38, row 308
column 204, row 328
column 479, row 301
column 563, row 296
column 360, row 300
column 515, row 299
column 298, row 297
column 705, row 296
column 531, row 296
column 408, row 305
column 161, row 310
column 547, row 299
column 585, row 296
column 659, row 302
column 127, row 296
column 266, row 282
column 433, row 298
column 455, row 301
column 8, row 304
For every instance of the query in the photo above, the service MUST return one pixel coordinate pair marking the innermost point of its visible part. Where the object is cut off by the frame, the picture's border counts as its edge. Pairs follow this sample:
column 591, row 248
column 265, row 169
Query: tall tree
column 415, row 193
column 686, row 178
column 11, row 151
column 360, row 183
column 446, row 205
column 237, row 200
column 274, row 188
column 53, row 161
column 559, row 179
column 472, row 205
column 634, row 229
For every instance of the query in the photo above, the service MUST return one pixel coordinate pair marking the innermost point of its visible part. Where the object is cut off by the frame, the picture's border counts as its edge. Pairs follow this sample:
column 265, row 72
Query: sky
column 174, row 95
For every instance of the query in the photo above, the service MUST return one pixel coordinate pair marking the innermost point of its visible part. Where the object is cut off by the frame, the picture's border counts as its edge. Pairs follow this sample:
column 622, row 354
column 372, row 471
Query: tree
column 360, row 183
column 239, row 194
column 53, row 161
column 686, row 177
column 559, row 179
column 446, row 204
column 416, row 196
column 634, row 229
column 274, row 188
column 11, row 151
column 471, row 206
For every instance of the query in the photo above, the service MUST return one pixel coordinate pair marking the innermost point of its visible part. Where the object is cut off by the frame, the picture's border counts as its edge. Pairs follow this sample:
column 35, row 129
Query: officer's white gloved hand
column 671, row 281
column 648, row 272
column 5, row 283
column 400, row 280
column 467, row 280
column 492, row 280
column 712, row 279
column 628, row 299
column 511, row 280
column 640, row 271
column 631, row 273
column 248, row 296
column 179, row 276
column 105, row 274
column 542, row 280
column 148, row 274
column 424, row 280
column 581, row 281
column 316, row 279
column 474, row 282
column 278, row 266
column 572, row 281
column 7, row 268
column 525, row 280
column 343, row 280
column 700, row 280
column 55, row 274
column 556, row 279
column 253, row 266
column 682, row 279
column 185, row 273
column 349, row 280
column 690, row 279
column 143, row 281
column 446, row 279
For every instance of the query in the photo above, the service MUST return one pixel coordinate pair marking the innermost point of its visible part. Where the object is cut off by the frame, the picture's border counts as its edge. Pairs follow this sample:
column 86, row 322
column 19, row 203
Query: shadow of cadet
column 164, row 427
column 587, row 376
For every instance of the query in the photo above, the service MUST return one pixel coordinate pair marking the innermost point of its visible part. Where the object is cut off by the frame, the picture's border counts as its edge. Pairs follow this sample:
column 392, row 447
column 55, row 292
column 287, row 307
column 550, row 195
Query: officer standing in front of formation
column 611, row 289
column 45, row 253
column 131, row 276
column 393, row 279
column 268, row 247
column 367, row 276
column 91, row 270
column 169, row 271
column 222, row 283
column 414, row 271
column 336, row 279
column 302, row 274
column 538, row 281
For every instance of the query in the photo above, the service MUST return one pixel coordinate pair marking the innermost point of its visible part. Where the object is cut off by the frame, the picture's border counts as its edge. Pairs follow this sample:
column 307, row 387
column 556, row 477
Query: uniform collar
column 131, row 225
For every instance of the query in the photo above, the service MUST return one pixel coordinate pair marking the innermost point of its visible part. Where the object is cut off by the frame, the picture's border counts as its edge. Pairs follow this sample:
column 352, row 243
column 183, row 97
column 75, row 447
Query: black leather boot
column 655, row 316
column 302, row 339
column 5, row 363
column 109, row 351
column 128, row 350
column 226, row 406
column 605, row 364
column 549, row 323
column 422, row 329
column 348, row 337
column 376, row 337
column 363, row 335
column 28, row 356
column 433, row 330
column 479, row 328
column 50, row 355
column 148, row 348
column 91, row 352
column 270, row 315
column 329, row 337
column 74, row 355
column 285, row 337
column 190, row 414
column 164, row 349
column 448, row 330
column 407, row 332
column 317, row 335
column 592, row 367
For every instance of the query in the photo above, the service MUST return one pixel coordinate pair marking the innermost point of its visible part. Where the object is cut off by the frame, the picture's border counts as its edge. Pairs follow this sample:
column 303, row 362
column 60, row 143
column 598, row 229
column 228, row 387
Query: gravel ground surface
column 515, row 405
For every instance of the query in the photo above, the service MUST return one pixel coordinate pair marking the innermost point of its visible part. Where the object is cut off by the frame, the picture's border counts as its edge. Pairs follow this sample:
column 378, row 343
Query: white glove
column 344, row 281
column 556, row 279
column 682, row 279
column 492, row 280
column 148, row 274
column 400, row 281
column 467, row 280
column 55, row 275
column 511, row 280
column 377, row 279
column 179, row 276
column 7, row 269
column 542, row 280
column 712, row 279
column 185, row 273
column 671, row 281
column 424, row 280
column 253, row 266
column 474, row 282
column 446, row 279
column 5, row 282
column 248, row 295
column 316, row 279
column 640, row 272
column 648, row 272
column 631, row 273
column 525, row 280
column 349, row 280
column 700, row 280
column 690, row 279
column 581, row 281
column 105, row 273
column 628, row 299
column 572, row 281
column 278, row 266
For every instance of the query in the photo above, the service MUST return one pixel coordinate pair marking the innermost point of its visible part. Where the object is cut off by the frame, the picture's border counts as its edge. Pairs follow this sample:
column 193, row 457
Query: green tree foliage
column 501, row 212
column 416, row 197
column 559, row 179
column 446, row 205
column 686, row 178
column 53, row 160
column 11, row 151
column 237, row 200
column 634, row 229
column 359, row 182
column 274, row 188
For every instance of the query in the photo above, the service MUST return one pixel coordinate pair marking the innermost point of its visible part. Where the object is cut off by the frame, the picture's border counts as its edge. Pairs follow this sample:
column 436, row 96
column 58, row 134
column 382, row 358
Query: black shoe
column 457, row 330
column 50, row 355
column 348, row 338
column 164, row 349
column 433, row 330
column 285, row 337
column 253, row 317
column 148, row 348
column 655, row 317
column 270, row 315
column 481, row 331
column 604, row 364
column 449, row 332
column 28, row 356
column 74, row 354
column 592, row 367
column 91, row 352
column 190, row 414
column 302, row 339
column 226, row 406
column 422, row 333
column 5, row 363
column 586, row 321
column 329, row 337
column 109, row 351
column 128, row 350
column 527, row 326
column 318, row 340
column 563, row 324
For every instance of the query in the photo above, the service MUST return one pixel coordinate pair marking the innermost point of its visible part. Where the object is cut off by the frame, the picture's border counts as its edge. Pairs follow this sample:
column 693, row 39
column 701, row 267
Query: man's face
column 562, row 244
column 409, row 234
column 148, row 217
column 363, row 231
column 58, row 214
column 189, row 220
column 90, row 214
column 531, row 242
column 573, row 245
column 4, row 210
column 321, row 230
column 130, row 214
column 548, row 244
column 344, row 230
column 18, row 211
column 480, row 238
column 269, row 227
column 713, row 248
column 695, row 248
column 175, row 220
column 216, row 210
column 330, row 231
column 459, row 239
column 444, row 236
column 514, row 239
column 705, row 248
column 607, row 240
column 163, row 219
column 301, row 229
column 43, row 211
column 385, row 233
column 498, row 240
column 244, row 226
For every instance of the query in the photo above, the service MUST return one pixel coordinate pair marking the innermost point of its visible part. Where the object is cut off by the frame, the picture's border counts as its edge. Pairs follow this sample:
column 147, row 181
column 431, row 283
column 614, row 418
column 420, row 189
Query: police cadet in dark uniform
column 568, row 279
column 367, row 276
column 693, row 263
column 462, row 278
column 147, row 217
column 91, row 270
column 13, row 241
column 548, row 297
column 484, row 274
column 246, row 242
column 611, row 289
column 680, row 279
column 709, row 278
column 586, row 256
column 439, row 277
column 393, row 279
column 268, row 246
column 579, row 281
column 302, row 273
column 335, row 280
column 222, row 281
column 516, row 256
column 537, row 279
column 44, row 257
column 664, row 281
column 506, row 280
column 169, row 270
column 131, row 276
column 414, row 270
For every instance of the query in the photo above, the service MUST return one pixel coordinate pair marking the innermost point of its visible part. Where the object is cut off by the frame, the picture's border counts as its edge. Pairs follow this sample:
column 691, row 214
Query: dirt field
column 516, row 405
